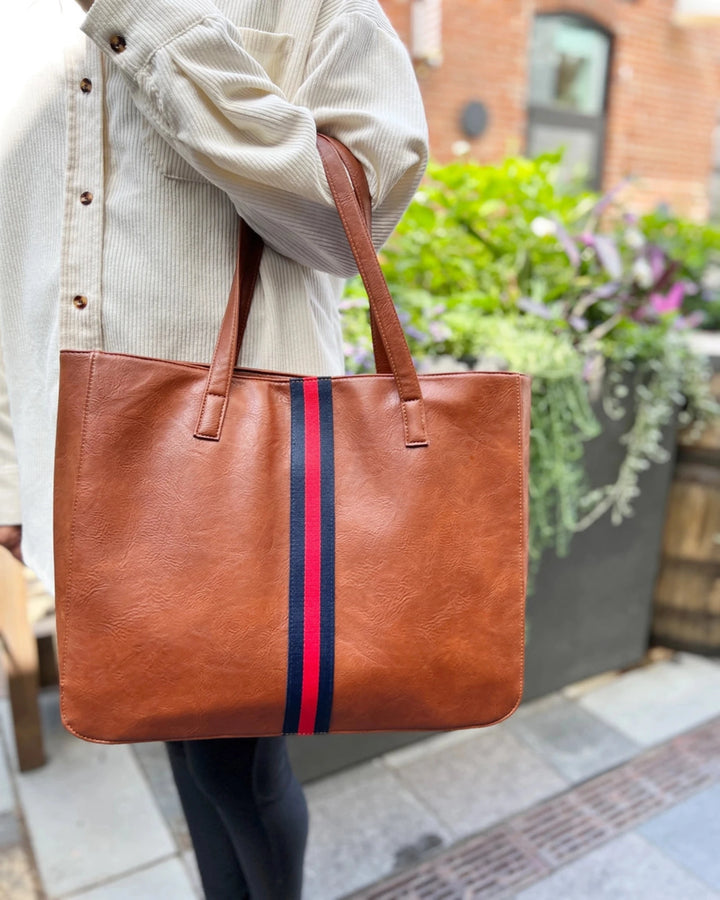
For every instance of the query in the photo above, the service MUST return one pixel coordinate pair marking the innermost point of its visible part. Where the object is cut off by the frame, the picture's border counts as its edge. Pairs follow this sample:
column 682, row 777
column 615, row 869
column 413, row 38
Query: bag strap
column 246, row 260
column 362, row 194
column 352, row 197
column 227, row 348
column 390, row 332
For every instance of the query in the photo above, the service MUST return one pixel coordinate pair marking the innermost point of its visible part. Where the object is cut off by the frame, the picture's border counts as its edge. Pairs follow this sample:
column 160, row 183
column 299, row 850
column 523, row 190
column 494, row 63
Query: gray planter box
column 591, row 611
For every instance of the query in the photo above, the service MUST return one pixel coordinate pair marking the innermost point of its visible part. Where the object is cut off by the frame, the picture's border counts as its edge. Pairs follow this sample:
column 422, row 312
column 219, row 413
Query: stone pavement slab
column 572, row 740
column 10, row 833
column 89, row 811
column 530, row 846
column 7, row 799
column 476, row 780
column 16, row 876
column 654, row 703
column 361, row 823
column 167, row 879
column 191, row 867
column 627, row 868
column 155, row 765
column 690, row 834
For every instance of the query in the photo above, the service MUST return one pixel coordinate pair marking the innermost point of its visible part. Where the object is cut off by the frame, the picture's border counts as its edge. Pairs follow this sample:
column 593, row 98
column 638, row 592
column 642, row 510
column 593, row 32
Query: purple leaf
column 657, row 259
column 439, row 331
column 568, row 244
column 676, row 294
column 415, row 333
column 537, row 309
column 670, row 302
column 694, row 320
column 667, row 277
column 608, row 255
column 609, row 289
column 605, row 201
column 578, row 323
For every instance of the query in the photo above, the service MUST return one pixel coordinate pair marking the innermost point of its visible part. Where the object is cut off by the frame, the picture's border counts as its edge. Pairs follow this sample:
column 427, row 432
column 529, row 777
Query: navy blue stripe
column 327, row 559
column 297, row 558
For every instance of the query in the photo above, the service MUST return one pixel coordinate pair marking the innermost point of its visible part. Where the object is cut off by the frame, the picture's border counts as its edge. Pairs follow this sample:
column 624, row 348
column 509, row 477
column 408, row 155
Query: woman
column 133, row 134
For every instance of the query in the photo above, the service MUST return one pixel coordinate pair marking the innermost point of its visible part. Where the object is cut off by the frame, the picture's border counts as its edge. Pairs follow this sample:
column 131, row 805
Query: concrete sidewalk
column 609, row 789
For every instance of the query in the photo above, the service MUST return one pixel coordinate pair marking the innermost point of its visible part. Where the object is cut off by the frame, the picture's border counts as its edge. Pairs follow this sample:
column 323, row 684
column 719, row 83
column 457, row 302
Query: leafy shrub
column 496, row 267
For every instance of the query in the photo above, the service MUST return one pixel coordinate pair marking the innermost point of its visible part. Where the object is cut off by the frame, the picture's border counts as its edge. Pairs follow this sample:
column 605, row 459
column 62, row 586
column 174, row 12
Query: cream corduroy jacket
column 130, row 140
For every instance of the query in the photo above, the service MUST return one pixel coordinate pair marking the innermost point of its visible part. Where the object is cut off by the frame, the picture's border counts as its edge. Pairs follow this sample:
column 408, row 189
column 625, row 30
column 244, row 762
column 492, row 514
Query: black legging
column 247, row 816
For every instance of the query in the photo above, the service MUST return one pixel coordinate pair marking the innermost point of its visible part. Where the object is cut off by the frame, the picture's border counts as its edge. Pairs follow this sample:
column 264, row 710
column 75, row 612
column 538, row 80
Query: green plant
column 498, row 267
column 695, row 247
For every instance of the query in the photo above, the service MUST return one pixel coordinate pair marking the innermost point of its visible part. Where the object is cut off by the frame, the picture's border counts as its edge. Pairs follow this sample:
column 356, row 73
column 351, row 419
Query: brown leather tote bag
column 252, row 553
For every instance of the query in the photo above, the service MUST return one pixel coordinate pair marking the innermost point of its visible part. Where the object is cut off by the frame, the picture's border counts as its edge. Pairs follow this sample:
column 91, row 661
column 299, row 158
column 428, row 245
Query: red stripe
column 311, row 636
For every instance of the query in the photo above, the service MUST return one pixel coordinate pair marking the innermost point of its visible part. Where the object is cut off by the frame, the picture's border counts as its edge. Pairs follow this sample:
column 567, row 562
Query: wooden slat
column 709, row 440
column 692, row 527
column 20, row 657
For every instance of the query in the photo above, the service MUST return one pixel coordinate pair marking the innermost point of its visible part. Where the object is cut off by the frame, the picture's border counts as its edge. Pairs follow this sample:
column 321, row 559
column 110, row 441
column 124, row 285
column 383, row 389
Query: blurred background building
column 630, row 87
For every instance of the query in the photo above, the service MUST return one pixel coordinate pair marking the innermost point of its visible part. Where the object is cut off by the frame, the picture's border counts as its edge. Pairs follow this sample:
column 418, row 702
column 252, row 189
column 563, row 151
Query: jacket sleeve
column 9, row 479
column 190, row 75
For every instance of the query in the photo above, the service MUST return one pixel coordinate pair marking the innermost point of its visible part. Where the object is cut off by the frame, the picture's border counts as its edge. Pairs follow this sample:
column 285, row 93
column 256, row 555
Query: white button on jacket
column 130, row 140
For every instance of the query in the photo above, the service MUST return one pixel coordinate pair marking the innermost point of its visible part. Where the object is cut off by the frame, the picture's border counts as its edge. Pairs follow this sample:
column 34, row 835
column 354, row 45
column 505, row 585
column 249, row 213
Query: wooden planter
column 687, row 595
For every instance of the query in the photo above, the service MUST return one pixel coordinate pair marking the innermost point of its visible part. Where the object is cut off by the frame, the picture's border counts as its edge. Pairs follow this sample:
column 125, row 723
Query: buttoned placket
column 82, row 236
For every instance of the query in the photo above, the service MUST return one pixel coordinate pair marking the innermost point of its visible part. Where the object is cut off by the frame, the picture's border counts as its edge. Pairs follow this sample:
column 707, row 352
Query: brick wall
column 664, row 92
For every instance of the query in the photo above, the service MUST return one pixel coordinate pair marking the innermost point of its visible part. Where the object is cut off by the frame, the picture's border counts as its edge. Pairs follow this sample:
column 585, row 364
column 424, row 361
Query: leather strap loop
column 227, row 349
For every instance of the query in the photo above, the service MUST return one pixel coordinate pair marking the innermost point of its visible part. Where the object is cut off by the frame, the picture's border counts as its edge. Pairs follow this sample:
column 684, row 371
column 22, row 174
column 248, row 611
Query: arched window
column 714, row 210
column 569, row 67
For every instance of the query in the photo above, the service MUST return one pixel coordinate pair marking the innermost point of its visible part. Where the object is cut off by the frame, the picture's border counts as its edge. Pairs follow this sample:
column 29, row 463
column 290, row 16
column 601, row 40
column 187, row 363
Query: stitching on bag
column 208, row 393
column 280, row 377
column 407, row 426
column 523, row 541
column 71, row 554
column 231, row 369
column 205, row 432
column 198, row 429
column 523, row 527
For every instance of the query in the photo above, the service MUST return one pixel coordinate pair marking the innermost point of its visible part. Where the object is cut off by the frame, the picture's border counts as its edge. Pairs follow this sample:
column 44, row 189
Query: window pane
column 716, row 146
column 715, row 196
column 580, row 158
column 568, row 65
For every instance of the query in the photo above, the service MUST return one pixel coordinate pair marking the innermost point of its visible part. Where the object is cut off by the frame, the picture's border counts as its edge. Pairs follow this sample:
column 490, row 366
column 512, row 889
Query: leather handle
column 390, row 332
column 227, row 348
column 352, row 197
column 362, row 194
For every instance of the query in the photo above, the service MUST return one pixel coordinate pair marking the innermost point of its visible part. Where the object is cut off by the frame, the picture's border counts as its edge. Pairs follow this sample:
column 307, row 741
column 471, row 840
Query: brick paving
column 530, row 846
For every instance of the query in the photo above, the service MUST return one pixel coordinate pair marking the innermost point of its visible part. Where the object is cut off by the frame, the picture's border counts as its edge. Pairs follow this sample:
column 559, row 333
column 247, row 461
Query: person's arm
column 191, row 77
column 10, row 530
